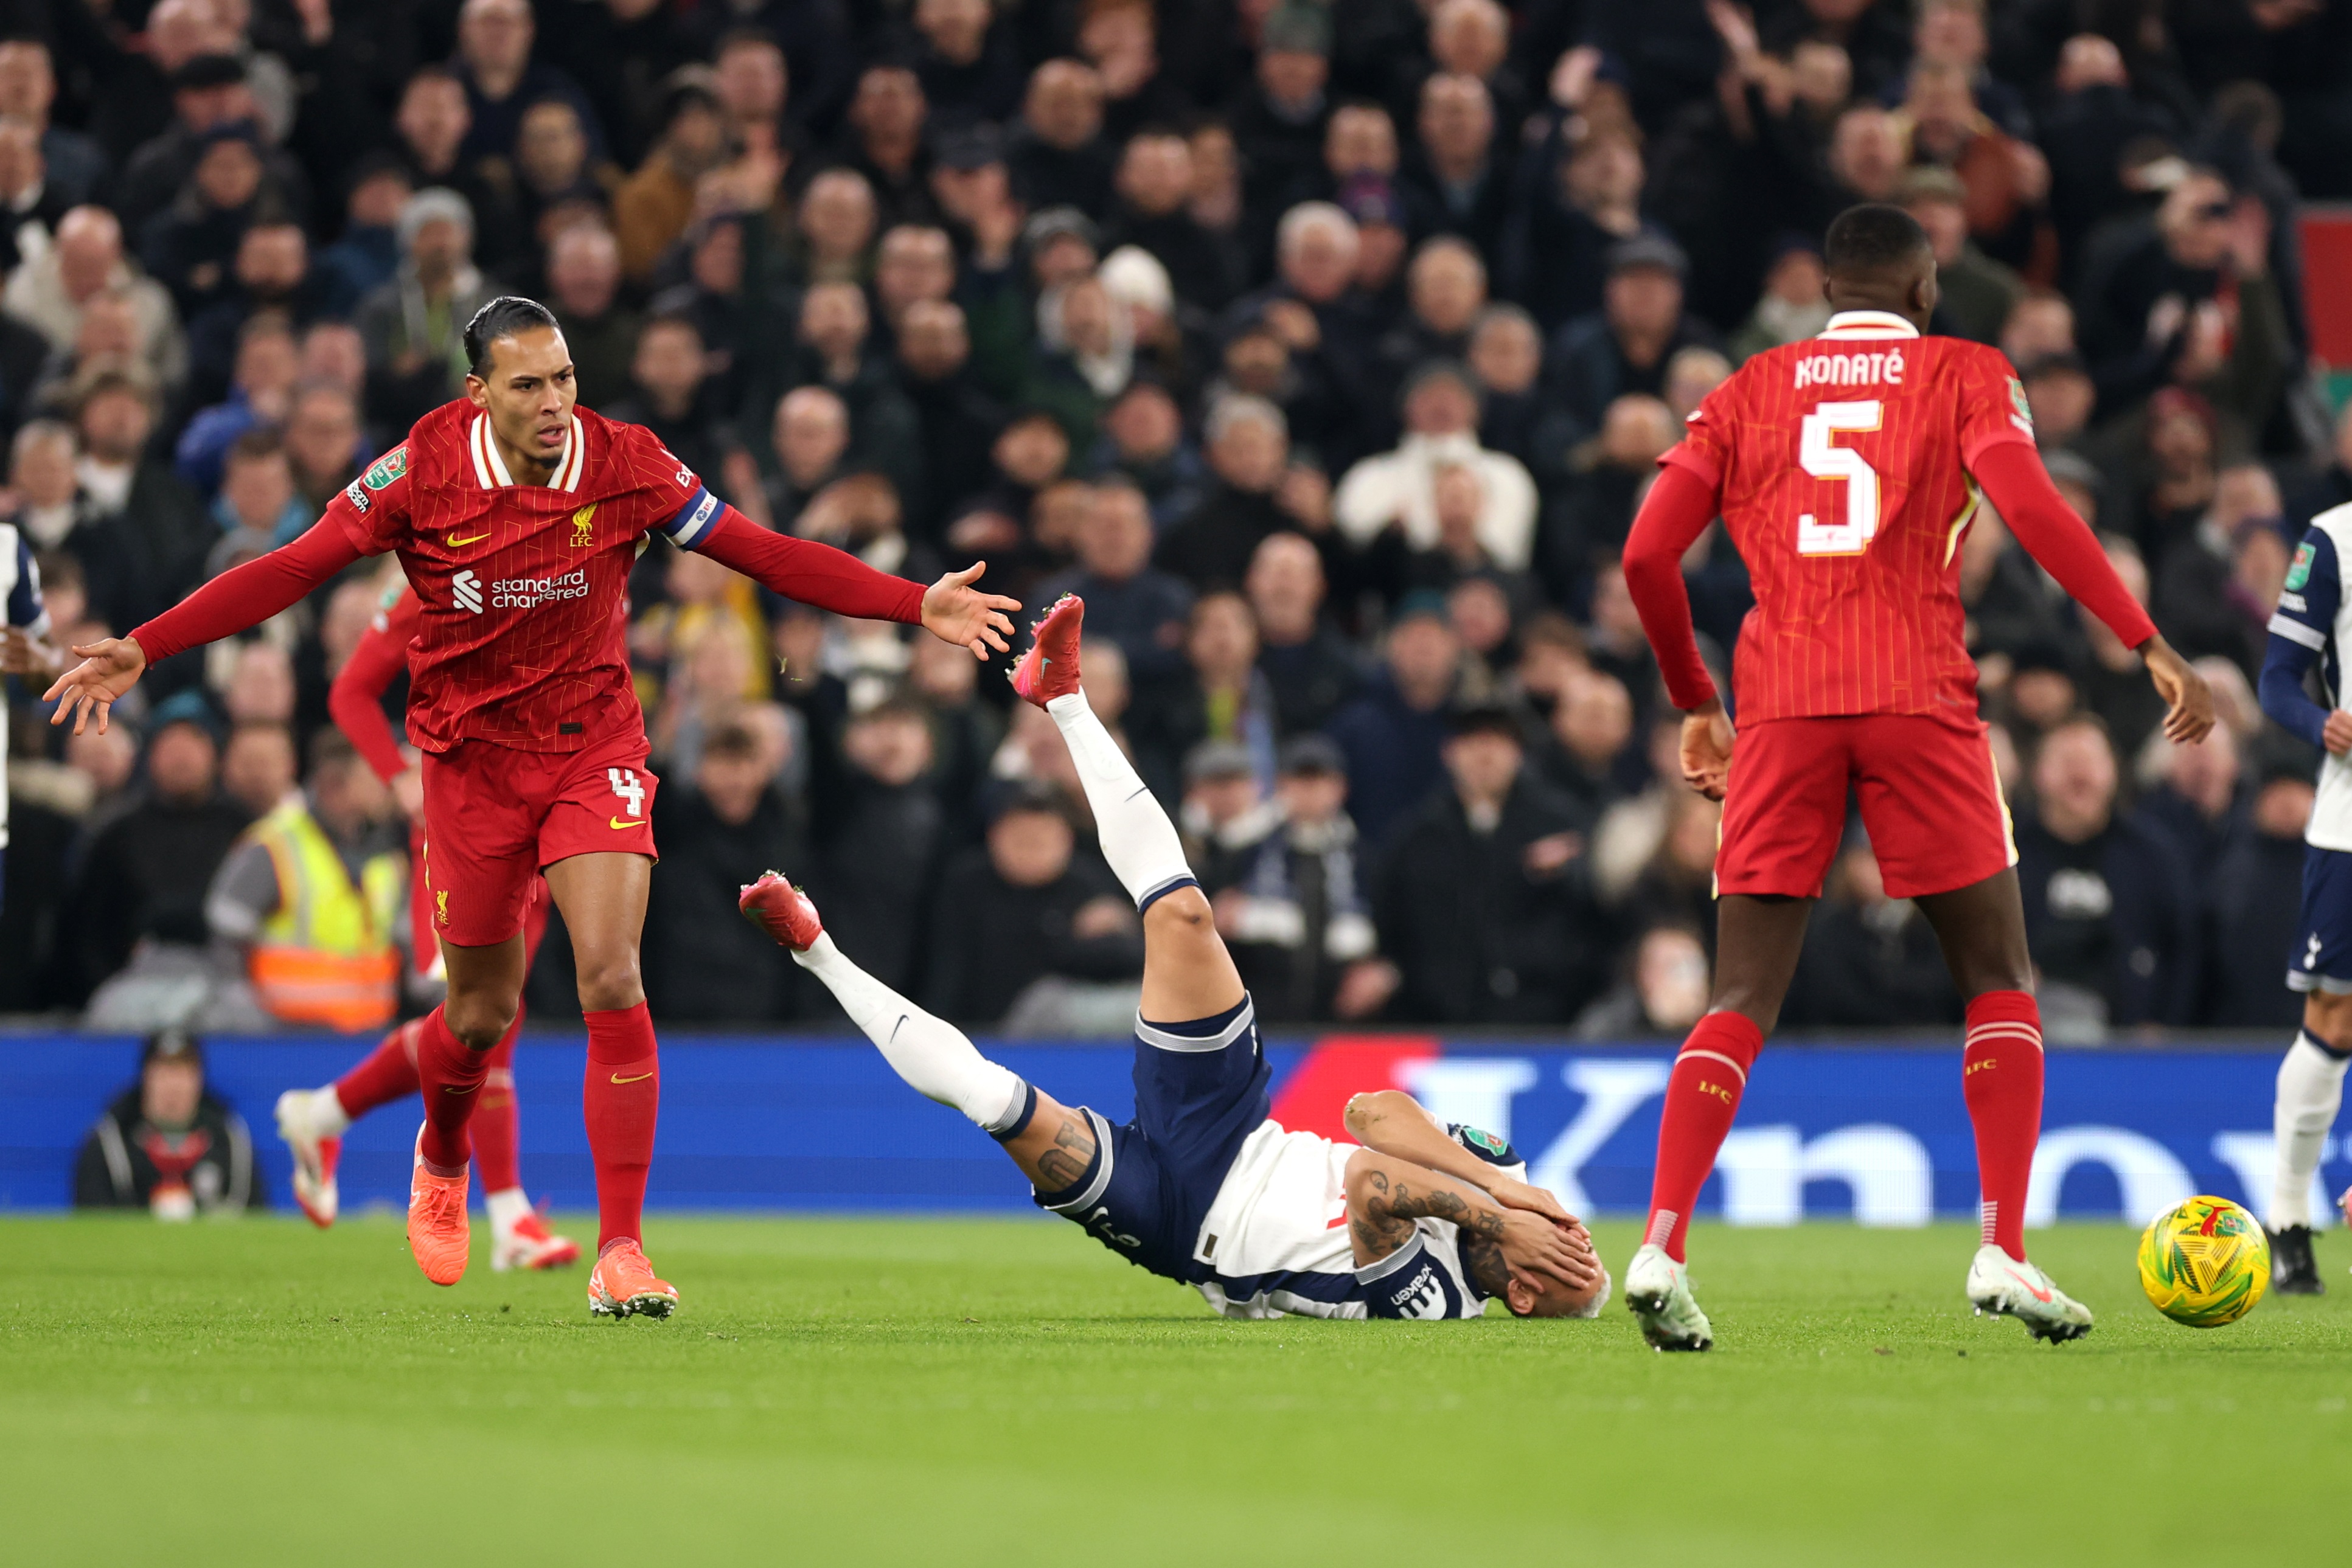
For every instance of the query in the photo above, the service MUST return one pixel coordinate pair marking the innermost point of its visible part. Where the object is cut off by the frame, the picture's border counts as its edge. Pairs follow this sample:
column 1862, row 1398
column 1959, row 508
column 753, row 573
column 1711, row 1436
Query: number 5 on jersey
column 1821, row 458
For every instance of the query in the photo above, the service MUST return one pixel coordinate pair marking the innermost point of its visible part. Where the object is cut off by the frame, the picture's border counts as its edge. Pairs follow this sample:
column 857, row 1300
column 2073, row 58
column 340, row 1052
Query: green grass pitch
column 956, row 1392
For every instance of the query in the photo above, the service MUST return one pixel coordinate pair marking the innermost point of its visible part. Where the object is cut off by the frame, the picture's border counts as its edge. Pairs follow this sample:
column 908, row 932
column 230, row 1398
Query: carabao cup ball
column 2205, row 1263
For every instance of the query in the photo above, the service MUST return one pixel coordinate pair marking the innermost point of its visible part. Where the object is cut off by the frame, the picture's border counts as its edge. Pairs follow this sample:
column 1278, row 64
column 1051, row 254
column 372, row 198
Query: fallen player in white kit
column 1423, row 1220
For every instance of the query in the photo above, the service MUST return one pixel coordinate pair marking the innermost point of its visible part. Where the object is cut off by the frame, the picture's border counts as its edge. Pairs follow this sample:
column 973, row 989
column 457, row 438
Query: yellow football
column 2205, row 1263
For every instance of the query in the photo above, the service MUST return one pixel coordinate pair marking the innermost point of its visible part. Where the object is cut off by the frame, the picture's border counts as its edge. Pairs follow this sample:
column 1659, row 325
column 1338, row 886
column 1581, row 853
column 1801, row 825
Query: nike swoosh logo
column 2036, row 1291
column 455, row 541
column 627, row 823
column 640, row 1078
column 454, row 1089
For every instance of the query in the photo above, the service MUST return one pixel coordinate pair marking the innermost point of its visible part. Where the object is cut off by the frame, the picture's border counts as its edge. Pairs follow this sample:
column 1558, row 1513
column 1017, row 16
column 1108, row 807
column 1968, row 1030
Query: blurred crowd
column 1325, row 348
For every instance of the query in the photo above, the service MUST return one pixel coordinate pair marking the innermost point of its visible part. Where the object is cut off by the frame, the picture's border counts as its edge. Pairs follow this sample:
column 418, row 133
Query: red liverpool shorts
column 495, row 817
column 1930, row 800
column 425, row 957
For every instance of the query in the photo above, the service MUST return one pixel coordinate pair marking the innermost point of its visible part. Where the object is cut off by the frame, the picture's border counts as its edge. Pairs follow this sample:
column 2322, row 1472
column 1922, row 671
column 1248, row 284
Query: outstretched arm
column 829, row 579
column 242, row 597
column 2014, row 480
column 1390, row 1122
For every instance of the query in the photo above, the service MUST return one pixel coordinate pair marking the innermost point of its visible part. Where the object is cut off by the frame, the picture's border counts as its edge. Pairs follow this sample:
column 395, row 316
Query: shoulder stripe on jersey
column 2294, row 631
column 491, row 468
column 692, row 522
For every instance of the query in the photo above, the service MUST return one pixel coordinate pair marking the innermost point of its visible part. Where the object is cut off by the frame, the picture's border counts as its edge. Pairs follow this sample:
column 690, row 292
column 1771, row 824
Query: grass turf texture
column 979, row 1392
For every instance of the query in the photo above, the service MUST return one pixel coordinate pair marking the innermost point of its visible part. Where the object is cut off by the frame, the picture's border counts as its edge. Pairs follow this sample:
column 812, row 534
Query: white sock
column 933, row 1056
column 2310, row 1088
column 506, row 1206
column 328, row 1117
column 1137, row 839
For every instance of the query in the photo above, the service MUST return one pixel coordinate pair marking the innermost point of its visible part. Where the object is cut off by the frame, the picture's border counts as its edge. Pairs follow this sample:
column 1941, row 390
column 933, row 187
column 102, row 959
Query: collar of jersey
column 491, row 468
column 1868, row 324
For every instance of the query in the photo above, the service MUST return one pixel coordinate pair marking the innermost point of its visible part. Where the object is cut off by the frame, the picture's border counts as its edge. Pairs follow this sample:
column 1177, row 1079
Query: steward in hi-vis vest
column 314, row 894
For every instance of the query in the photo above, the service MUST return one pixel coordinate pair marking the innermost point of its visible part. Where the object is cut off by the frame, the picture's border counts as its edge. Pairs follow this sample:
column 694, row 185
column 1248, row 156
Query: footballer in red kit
column 1847, row 469
column 517, row 516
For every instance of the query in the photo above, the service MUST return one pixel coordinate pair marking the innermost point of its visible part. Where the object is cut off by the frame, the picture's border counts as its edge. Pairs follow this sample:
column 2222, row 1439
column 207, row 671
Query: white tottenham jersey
column 1277, row 1237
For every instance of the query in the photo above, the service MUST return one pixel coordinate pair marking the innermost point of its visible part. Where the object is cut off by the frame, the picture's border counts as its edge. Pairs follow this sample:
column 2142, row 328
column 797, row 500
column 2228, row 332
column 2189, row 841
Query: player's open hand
column 1541, row 1254
column 2188, row 700
column 1706, row 748
column 955, row 611
column 107, row 669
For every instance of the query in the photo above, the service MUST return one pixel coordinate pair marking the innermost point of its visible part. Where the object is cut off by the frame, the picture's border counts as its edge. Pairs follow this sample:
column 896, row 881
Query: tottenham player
column 517, row 516
column 1847, row 469
column 2313, row 628
column 1422, row 1221
column 313, row 1121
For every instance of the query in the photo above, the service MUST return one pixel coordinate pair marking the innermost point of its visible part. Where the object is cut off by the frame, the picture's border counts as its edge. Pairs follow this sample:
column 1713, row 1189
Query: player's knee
column 1184, row 912
column 2327, row 1018
column 608, row 982
column 479, row 1021
column 1179, row 918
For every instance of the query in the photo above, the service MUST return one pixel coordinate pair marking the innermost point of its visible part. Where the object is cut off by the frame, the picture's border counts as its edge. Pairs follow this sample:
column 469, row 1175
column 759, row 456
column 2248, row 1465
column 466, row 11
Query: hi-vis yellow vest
column 326, row 955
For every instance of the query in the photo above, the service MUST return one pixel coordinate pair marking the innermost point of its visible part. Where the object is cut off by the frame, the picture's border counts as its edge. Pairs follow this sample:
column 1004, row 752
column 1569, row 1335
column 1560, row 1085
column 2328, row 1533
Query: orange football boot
column 623, row 1283
column 438, row 1232
column 1050, row 668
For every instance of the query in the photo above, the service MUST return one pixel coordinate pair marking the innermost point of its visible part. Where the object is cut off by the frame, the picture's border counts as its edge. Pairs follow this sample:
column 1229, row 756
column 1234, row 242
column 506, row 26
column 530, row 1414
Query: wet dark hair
column 501, row 317
column 1871, row 238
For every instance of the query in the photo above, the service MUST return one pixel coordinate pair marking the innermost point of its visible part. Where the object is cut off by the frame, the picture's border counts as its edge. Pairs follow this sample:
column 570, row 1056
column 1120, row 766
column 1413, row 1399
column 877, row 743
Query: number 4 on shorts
column 625, row 785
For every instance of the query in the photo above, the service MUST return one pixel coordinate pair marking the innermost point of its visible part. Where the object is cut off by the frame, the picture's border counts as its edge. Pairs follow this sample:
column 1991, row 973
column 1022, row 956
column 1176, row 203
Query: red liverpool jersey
column 521, row 639
column 1842, row 465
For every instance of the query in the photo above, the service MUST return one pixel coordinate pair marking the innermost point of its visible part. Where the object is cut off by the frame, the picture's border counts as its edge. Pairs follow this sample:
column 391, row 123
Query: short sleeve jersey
column 522, row 589
column 1842, row 466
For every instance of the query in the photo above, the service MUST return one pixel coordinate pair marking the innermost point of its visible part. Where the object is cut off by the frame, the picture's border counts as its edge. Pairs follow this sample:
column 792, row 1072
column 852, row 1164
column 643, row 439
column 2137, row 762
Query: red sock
column 386, row 1073
column 450, row 1075
column 620, row 1100
column 2000, row 1078
column 1702, row 1097
column 497, row 1130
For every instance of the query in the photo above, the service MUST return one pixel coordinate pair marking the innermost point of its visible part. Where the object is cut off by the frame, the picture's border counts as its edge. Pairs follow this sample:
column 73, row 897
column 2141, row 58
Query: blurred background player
column 313, row 1121
column 2310, row 631
column 1846, row 468
column 517, row 516
column 1425, row 1220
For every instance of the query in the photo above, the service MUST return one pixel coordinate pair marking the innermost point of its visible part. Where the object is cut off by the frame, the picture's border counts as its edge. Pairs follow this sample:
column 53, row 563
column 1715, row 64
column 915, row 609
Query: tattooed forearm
column 1073, row 1150
column 1450, row 1207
